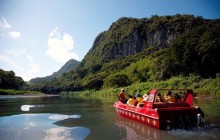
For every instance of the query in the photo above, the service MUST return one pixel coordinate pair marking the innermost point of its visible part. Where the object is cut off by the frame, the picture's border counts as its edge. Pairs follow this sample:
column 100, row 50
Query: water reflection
column 58, row 117
column 26, row 107
column 130, row 129
column 64, row 133
column 41, row 126
column 90, row 119
column 136, row 130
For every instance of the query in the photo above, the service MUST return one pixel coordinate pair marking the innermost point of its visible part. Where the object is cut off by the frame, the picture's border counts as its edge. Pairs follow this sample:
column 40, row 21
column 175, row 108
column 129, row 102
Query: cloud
column 22, row 63
column 15, row 52
column 15, row 35
column 30, row 58
column 4, row 24
column 33, row 68
column 60, row 46
column 8, row 61
column 5, row 29
column 54, row 33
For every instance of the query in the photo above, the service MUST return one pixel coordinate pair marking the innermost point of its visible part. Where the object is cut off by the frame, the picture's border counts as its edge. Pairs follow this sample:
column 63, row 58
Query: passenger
column 121, row 96
column 159, row 98
column 132, row 101
column 135, row 101
column 145, row 97
column 139, row 98
column 177, row 98
column 169, row 98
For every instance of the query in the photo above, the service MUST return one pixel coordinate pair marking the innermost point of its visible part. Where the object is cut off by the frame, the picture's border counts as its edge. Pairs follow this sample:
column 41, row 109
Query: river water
column 62, row 118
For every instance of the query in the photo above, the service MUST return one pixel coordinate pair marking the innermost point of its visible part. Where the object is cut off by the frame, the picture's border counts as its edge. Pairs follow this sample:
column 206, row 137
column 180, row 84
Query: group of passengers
column 168, row 97
column 140, row 100
column 134, row 100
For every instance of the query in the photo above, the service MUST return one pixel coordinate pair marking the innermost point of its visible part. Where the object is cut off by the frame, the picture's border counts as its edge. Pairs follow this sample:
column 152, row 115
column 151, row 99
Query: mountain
column 138, row 50
column 68, row 66
column 129, row 36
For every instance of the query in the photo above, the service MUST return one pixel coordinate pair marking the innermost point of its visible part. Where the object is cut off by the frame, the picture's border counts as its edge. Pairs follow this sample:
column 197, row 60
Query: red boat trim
column 138, row 113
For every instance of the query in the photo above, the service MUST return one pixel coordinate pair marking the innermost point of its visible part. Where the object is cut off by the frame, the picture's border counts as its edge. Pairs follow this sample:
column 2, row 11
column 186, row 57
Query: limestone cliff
column 129, row 36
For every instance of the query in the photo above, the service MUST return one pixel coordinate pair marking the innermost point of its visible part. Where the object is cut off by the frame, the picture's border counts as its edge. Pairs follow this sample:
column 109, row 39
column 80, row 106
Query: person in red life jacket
column 135, row 101
column 121, row 96
column 139, row 98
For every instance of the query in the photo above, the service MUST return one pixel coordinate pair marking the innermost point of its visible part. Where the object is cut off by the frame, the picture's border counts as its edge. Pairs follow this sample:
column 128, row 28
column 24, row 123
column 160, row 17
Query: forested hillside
column 70, row 65
column 140, row 50
column 8, row 80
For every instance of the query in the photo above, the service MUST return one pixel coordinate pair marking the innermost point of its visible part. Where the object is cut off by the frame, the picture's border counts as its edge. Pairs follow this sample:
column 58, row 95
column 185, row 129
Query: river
column 62, row 118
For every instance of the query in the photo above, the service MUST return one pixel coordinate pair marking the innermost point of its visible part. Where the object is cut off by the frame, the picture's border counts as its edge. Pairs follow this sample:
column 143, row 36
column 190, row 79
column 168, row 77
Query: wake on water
column 209, row 131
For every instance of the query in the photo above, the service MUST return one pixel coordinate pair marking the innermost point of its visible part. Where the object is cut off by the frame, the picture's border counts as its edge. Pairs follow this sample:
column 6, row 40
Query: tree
column 8, row 80
column 117, row 80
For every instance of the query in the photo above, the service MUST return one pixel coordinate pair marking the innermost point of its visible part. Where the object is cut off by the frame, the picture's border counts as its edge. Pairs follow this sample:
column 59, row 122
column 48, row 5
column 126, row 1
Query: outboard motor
column 200, row 120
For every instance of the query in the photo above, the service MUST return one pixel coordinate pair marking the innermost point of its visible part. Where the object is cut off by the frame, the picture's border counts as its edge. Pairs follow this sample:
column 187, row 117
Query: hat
column 138, row 95
column 145, row 95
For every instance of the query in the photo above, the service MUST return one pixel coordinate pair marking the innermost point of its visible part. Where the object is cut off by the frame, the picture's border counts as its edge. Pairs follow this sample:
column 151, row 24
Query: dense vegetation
column 201, row 87
column 10, row 84
column 153, row 50
column 18, row 92
column 8, row 80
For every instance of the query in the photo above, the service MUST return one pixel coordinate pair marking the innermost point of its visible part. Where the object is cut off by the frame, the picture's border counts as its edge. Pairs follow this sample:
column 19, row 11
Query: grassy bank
column 202, row 87
column 18, row 92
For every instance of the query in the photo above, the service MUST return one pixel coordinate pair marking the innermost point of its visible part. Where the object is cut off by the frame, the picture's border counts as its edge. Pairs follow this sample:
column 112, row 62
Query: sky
column 37, row 37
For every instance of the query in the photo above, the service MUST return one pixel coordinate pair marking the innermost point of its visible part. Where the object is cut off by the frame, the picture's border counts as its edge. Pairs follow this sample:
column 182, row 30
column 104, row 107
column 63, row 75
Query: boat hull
column 139, row 117
column 147, row 116
column 161, row 118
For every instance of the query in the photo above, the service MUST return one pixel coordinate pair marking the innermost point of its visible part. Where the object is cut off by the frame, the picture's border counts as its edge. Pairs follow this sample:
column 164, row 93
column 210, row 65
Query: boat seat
column 167, row 105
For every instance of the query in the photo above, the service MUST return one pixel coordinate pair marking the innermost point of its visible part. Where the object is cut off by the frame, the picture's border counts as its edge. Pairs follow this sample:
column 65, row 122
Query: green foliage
column 8, row 80
column 117, row 80
column 192, row 52
column 17, row 92
column 201, row 87
column 140, row 71
column 94, row 81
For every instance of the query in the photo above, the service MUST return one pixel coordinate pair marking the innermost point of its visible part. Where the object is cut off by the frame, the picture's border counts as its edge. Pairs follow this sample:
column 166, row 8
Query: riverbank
column 19, row 92
column 201, row 87
column 26, row 96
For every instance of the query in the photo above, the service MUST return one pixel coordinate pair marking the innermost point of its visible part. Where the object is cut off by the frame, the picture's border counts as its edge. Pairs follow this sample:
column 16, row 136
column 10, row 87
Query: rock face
column 129, row 36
